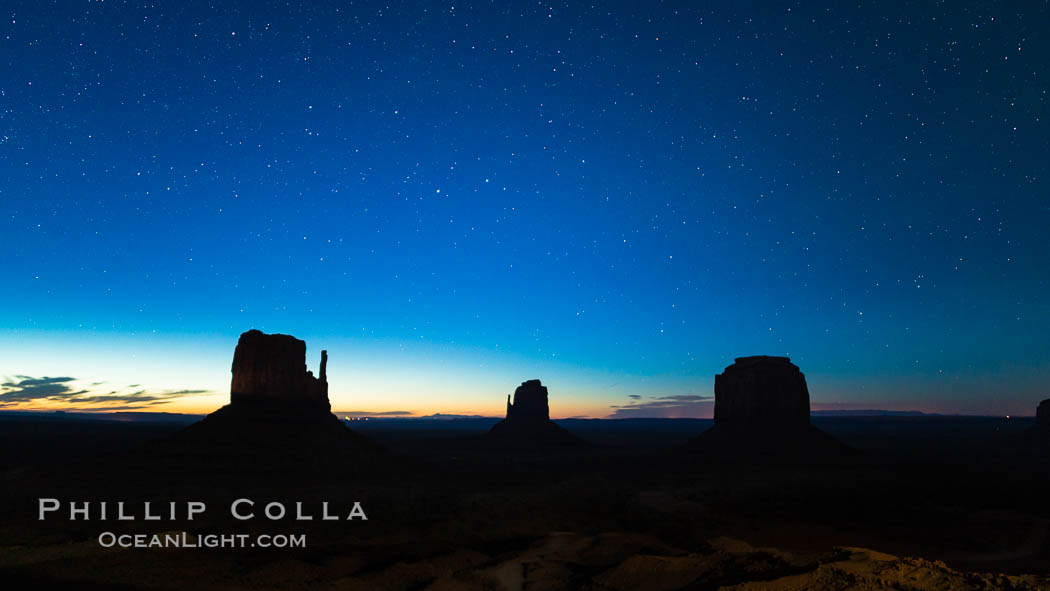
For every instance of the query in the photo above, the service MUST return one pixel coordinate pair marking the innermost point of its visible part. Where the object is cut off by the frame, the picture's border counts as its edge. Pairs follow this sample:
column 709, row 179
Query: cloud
column 106, row 409
column 370, row 413
column 674, row 406
column 683, row 398
column 139, row 396
column 26, row 389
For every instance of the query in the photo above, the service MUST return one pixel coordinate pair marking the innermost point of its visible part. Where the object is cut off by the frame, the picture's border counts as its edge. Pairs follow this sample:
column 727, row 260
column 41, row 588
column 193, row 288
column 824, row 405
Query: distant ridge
column 401, row 417
column 872, row 412
column 450, row 417
column 121, row 416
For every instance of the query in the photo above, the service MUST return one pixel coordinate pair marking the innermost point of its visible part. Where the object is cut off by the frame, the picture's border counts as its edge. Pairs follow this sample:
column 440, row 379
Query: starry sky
column 616, row 198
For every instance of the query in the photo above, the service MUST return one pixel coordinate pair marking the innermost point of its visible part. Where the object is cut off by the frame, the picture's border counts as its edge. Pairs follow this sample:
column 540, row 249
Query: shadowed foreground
column 636, row 509
column 761, row 500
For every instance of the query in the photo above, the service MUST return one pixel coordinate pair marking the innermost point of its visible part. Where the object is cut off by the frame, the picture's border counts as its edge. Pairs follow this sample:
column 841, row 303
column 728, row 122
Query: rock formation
column 530, row 402
column 273, row 367
column 528, row 424
column 762, row 410
column 277, row 409
column 761, row 390
column 1037, row 438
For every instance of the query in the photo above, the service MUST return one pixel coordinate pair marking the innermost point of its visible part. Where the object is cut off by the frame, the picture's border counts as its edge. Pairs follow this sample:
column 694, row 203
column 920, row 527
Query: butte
column 528, row 425
column 1037, row 437
column 762, row 411
column 277, row 409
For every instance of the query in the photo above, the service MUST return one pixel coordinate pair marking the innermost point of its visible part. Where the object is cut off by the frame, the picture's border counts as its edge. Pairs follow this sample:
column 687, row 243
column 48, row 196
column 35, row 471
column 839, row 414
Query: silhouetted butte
column 762, row 410
column 277, row 406
column 1037, row 438
column 528, row 425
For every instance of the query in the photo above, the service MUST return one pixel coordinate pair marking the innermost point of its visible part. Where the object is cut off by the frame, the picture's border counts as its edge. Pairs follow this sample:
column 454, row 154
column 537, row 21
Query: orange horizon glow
column 205, row 407
column 148, row 373
column 205, row 404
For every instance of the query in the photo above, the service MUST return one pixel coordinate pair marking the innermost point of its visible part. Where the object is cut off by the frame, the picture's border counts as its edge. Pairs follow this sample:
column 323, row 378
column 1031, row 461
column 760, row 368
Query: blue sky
column 617, row 200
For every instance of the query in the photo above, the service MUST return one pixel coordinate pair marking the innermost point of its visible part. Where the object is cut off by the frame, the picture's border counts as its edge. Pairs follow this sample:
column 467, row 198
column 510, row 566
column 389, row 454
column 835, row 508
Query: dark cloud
column 108, row 409
column 683, row 398
column 139, row 396
column 28, row 389
column 674, row 406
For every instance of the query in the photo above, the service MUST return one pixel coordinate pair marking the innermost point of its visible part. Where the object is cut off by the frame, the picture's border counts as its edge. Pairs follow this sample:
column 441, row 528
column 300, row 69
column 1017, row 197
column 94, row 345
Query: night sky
column 452, row 198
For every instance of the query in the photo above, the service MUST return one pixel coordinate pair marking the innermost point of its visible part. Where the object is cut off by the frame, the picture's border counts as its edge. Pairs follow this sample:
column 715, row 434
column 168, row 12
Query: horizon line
column 367, row 415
